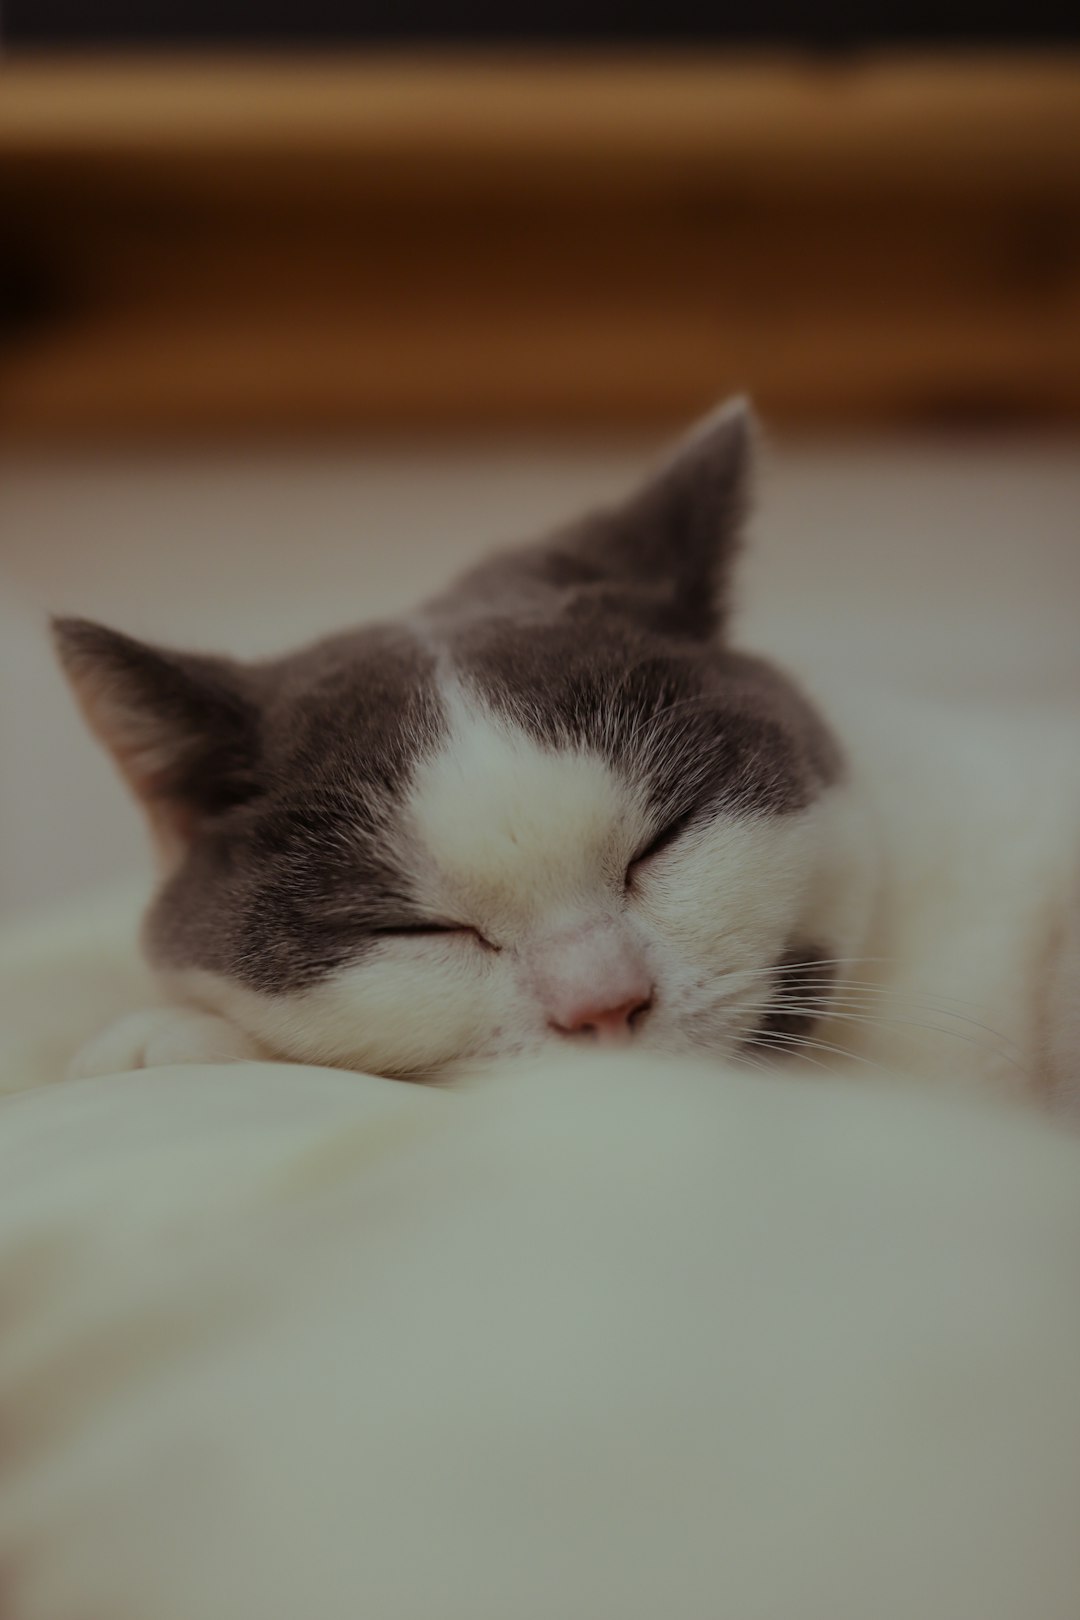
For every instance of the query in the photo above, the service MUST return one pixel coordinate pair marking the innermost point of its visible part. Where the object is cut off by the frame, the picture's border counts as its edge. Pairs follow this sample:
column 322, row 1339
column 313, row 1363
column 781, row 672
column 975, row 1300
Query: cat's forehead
column 677, row 719
column 677, row 722
column 503, row 823
column 361, row 707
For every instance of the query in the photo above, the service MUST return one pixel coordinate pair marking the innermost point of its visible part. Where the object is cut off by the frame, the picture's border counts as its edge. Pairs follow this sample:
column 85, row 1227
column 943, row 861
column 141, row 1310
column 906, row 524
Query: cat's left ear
column 680, row 533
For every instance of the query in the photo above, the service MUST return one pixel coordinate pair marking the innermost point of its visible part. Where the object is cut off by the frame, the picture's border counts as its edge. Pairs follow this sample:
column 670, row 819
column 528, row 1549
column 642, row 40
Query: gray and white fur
column 553, row 804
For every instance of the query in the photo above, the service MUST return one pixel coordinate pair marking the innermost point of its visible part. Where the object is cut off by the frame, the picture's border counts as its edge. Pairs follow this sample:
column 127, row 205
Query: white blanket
column 608, row 1339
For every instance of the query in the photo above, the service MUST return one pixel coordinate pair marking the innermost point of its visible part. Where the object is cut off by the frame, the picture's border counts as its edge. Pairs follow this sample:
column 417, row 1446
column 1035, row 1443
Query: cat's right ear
column 182, row 728
column 680, row 532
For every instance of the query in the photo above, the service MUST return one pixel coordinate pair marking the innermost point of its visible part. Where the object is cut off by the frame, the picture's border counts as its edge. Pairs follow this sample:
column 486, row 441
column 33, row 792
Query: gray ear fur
column 679, row 534
column 182, row 728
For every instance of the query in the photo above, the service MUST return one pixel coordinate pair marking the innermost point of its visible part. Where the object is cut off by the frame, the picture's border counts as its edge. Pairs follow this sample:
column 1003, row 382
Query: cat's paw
column 160, row 1035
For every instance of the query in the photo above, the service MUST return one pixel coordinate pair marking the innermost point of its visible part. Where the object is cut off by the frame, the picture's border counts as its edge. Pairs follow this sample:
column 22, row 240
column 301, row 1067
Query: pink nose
column 591, row 979
column 605, row 1023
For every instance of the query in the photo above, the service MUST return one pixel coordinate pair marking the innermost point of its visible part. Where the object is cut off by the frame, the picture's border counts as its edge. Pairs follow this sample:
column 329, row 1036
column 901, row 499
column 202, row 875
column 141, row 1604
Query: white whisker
column 785, row 1046
column 866, row 997
column 865, row 1012
column 802, row 1043
column 826, row 1014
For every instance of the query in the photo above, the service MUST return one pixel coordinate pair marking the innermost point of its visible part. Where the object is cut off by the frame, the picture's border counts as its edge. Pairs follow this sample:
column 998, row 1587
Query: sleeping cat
column 557, row 804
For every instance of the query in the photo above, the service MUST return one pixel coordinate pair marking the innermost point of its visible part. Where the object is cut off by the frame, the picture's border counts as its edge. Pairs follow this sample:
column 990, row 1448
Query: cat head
column 553, row 804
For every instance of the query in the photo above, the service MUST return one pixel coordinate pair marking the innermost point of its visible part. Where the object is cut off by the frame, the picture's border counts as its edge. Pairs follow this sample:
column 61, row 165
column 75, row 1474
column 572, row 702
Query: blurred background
column 302, row 307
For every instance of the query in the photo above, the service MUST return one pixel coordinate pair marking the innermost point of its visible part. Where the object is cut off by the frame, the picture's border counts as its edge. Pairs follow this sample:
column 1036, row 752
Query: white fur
column 978, row 820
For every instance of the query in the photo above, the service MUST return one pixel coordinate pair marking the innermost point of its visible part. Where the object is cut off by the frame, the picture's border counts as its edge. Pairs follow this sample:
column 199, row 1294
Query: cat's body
column 972, row 943
column 556, row 804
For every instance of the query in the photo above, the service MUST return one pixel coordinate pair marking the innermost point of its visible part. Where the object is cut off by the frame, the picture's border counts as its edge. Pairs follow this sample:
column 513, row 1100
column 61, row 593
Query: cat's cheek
column 731, row 897
column 385, row 1014
column 697, row 935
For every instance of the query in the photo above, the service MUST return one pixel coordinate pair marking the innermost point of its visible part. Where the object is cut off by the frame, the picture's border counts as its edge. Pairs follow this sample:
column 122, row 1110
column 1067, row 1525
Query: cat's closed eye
column 656, row 845
column 434, row 930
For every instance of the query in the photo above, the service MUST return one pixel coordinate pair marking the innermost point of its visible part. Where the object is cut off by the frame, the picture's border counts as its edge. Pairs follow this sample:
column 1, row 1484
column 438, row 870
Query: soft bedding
column 604, row 1337
column 63, row 972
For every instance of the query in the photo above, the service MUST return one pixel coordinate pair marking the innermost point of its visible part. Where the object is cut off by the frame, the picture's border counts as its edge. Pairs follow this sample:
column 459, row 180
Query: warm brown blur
column 228, row 246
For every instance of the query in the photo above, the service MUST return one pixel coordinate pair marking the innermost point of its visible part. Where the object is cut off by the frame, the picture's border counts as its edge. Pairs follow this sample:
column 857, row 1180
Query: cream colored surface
column 65, row 974
column 607, row 1340
column 935, row 568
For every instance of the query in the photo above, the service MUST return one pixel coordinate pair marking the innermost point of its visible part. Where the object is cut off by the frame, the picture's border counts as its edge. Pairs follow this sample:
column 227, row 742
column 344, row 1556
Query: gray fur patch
column 288, row 885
